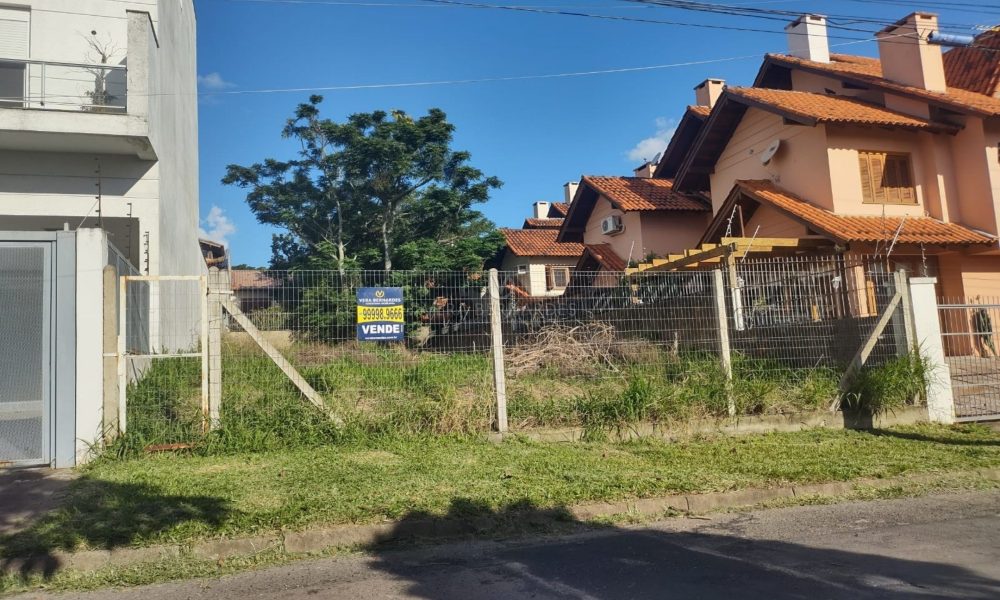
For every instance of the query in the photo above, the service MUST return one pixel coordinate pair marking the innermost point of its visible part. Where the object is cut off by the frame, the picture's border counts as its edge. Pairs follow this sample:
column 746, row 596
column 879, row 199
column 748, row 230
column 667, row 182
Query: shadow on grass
column 946, row 441
column 102, row 515
column 698, row 560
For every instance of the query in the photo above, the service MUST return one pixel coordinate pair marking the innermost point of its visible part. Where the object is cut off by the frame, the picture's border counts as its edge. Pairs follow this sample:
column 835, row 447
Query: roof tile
column 606, row 256
column 977, row 68
column 559, row 208
column 641, row 193
column 539, row 242
column 864, row 229
column 533, row 223
column 870, row 70
column 829, row 109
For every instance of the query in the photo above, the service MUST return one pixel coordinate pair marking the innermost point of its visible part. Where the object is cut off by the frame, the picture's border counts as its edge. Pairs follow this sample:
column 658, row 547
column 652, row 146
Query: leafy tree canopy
column 379, row 191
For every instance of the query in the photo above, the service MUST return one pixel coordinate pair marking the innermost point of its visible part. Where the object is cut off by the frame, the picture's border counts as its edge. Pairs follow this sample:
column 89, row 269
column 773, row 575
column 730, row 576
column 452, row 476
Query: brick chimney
column 646, row 170
column 807, row 38
column 708, row 91
column 541, row 210
column 570, row 190
column 906, row 55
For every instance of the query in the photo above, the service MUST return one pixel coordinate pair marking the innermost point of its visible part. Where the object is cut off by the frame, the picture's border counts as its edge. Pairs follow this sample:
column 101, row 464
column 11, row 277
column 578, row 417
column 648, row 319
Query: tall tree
column 373, row 187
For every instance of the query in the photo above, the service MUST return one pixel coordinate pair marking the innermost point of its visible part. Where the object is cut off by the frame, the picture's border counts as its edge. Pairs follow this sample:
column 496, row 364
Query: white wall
column 91, row 257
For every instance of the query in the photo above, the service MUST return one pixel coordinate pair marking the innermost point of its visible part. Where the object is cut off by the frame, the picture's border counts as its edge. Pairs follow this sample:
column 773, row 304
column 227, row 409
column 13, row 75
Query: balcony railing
column 35, row 84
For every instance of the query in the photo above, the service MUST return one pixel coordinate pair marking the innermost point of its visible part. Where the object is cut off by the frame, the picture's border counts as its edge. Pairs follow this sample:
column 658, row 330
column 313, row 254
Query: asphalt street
column 943, row 546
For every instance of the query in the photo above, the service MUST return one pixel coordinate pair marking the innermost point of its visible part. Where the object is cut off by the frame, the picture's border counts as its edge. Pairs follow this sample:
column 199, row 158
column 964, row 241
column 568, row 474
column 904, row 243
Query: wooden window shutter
column 877, row 161
column 867, row 189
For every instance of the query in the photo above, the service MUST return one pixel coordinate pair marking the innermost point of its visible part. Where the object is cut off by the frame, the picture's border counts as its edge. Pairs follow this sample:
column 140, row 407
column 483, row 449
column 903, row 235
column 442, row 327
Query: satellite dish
column 768, row 154
column 656, row 159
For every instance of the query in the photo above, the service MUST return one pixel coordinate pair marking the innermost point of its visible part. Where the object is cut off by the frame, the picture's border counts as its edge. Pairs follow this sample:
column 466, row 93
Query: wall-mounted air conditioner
column 612, row 225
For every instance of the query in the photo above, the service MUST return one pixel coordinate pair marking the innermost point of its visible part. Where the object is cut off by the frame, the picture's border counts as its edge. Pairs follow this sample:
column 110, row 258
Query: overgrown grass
column 889, row 387
column 180, row 498
column 390, row 391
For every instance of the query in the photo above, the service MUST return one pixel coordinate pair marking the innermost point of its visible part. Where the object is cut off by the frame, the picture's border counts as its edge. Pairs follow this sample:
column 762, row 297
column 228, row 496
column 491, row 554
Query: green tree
column 378, row 190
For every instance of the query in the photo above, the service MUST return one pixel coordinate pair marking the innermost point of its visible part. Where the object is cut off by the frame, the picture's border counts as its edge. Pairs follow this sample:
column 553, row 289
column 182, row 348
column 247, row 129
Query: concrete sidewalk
column 26, row 494
column 943, row 546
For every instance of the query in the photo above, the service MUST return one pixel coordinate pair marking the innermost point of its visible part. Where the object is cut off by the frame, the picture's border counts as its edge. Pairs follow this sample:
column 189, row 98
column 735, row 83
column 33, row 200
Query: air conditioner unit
column 612, row 225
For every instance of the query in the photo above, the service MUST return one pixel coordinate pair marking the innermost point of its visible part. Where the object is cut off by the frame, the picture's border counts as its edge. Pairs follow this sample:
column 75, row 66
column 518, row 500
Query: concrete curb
column 743, row 425
column 323, row 538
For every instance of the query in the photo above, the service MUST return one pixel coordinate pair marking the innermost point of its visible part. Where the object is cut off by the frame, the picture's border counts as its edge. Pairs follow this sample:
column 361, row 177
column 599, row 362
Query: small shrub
column 882, row 389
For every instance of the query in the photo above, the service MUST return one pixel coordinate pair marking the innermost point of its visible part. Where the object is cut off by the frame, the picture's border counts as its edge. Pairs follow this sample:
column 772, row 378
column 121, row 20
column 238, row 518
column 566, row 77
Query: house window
column 886, row 178
column 14, row 27
column 556, row 278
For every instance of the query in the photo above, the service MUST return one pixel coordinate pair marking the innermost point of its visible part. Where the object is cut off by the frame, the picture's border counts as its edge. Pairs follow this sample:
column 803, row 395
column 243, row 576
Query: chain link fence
column 754, row 337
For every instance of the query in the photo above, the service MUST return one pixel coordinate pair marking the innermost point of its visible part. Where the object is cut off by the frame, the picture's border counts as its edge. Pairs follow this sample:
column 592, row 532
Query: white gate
column 969, row 334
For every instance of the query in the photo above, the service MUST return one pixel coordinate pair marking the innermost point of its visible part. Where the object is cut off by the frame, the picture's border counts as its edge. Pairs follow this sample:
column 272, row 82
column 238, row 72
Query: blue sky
column 533, row 134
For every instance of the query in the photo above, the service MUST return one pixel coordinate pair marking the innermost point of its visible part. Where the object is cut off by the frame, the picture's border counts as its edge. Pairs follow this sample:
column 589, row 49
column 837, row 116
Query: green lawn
column 182, row 498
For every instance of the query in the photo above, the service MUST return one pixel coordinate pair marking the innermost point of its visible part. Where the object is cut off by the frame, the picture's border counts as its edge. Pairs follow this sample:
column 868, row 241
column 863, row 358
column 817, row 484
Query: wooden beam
column 684, row 261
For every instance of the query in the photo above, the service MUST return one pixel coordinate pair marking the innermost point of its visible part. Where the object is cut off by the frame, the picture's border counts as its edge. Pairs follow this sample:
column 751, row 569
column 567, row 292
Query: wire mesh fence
column 969, row 334
column 765, row 336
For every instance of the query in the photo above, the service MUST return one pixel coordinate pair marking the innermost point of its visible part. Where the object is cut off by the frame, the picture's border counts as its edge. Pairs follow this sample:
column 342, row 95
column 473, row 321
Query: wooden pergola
column 732, row 249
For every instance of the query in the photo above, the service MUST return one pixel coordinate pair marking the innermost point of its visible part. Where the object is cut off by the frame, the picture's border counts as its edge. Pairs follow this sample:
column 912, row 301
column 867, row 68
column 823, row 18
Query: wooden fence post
column 109, row 421
column 496, row 332
column 723, row 325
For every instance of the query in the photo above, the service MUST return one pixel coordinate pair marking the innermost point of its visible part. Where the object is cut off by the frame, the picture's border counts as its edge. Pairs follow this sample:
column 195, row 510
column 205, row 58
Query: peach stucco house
column 623, row 220
column 865, row 153
column 533, row 262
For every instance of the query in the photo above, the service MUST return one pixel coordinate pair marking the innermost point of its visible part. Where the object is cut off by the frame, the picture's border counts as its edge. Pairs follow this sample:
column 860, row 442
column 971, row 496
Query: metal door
column 25, row 352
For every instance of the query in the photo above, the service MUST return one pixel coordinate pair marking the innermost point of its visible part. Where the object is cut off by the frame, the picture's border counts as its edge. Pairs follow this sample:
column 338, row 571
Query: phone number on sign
column 370, row 314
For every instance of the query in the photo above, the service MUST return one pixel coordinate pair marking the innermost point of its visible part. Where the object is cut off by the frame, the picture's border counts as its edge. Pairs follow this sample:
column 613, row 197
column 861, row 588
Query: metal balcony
column 35, row 84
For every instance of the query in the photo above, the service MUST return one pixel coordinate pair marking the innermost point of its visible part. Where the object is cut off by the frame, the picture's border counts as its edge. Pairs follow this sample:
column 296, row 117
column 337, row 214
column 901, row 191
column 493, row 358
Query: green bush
column 888, row 387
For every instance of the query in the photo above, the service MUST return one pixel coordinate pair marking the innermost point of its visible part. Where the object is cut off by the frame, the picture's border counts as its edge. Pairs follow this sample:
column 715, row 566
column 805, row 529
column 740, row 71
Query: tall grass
column 389, row 391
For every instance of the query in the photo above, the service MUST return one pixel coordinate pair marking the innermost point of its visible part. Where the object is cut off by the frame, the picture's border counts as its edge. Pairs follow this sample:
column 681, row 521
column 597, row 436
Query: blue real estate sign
column 380, row 314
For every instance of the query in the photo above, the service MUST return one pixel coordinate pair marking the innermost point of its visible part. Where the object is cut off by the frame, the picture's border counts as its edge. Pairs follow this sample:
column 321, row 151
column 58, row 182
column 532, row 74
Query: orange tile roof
column 539, row 242
column 560, row 208
column 247, row 279
column 977, row 68
column 869, row 70
column 870, row 229
column 639, row 194
column 821, row 108
column 698, row 109
column 606, row 256
column 533, row 223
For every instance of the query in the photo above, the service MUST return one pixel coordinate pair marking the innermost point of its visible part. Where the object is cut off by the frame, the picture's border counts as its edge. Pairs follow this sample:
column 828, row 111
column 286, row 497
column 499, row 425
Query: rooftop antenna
column 656, row 159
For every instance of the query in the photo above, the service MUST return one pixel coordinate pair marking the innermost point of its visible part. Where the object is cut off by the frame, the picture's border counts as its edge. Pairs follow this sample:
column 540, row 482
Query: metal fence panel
column 968, row 331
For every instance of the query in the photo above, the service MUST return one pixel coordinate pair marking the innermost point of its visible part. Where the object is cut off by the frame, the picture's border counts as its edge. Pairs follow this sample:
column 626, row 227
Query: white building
column 98, row 147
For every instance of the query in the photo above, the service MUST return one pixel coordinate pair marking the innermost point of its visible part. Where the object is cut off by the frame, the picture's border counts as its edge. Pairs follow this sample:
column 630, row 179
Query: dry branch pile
column 575, row 350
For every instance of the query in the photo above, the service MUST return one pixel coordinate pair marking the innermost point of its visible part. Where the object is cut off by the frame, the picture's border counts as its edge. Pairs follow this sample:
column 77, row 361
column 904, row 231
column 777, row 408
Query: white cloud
column 218, row 227
column 213, row 82
column 651, row 146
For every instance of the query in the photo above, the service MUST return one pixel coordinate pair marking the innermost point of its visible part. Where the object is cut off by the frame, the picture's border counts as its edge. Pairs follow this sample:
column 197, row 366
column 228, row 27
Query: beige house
column 534, row 263
column 862, row 153
column 624, row 220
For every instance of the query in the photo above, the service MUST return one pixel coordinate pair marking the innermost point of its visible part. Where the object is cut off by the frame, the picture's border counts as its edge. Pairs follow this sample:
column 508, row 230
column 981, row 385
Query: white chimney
column 646, row 170
column 807, row 38
column 708, row 91
column 906, row 55
column 542, row 210
column 570, row 189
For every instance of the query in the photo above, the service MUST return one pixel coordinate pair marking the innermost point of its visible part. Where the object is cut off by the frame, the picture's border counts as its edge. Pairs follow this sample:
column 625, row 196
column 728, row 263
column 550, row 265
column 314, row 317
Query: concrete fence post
column 496, row 333
column 725, row 354
column 927, row 337
column 109, row 408
column 217, row 286
column 902, row 323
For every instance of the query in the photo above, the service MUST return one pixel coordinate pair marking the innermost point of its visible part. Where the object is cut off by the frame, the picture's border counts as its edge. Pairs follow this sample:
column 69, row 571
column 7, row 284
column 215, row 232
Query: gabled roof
column 865, row 71
column 799, row 107
column 255, row 280
column 602, row 256
column 533, row 223
column 846, row 228
column 975, row 68
column 809, row 109
column 558, row 209
column 539, row 242
column 680, row 142
column 628, row 194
